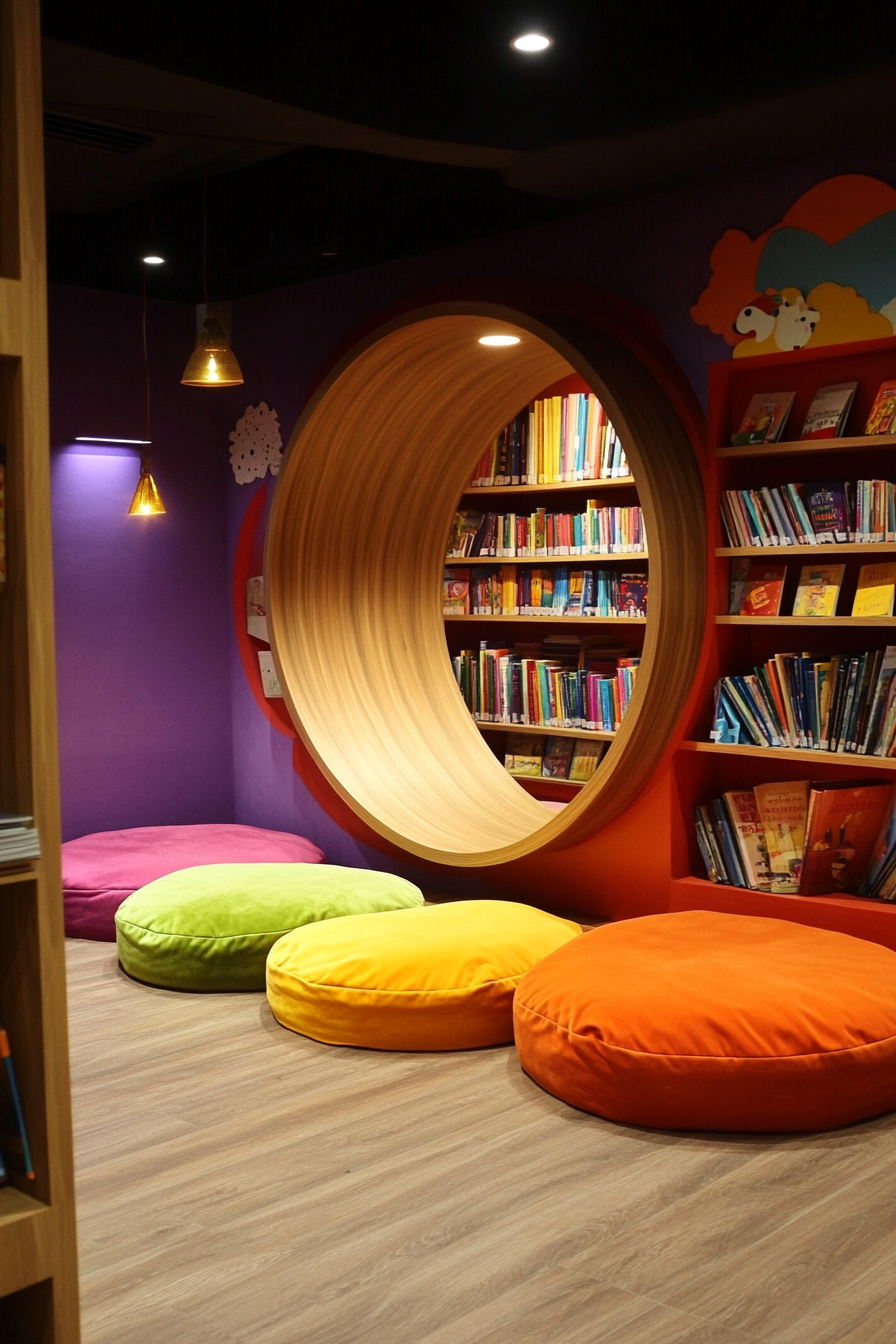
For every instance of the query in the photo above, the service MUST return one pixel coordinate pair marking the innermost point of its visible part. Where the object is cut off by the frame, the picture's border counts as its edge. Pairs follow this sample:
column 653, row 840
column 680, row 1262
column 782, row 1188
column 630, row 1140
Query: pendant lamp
column 147, row 499
column 212, row 363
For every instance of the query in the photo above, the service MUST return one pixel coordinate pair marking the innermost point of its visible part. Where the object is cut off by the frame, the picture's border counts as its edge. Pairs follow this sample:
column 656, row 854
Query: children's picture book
column 826, row 417
column 783, row 807
column 557, row 758
column 749, row 834
column 456, row 592
column 845, row 820
column 763, row 589
column 256, row 611
column 585, row 760
column 818, row 590
column 269, row 680
column 828, row 509
column 764, row 418
column 875, row 591
column 632, row 595
column 463, row 531
column 524, row 755
column 13, row 1133
column 882, row 417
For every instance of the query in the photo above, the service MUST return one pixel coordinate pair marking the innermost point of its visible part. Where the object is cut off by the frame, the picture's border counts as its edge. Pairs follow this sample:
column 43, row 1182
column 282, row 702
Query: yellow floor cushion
column 440, row 977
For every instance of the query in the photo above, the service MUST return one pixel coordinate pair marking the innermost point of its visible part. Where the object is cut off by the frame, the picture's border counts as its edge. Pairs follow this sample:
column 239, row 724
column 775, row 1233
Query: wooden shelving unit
column 863, row 443
column 811, row 759
column 38, row 1263
column 843, row 548
column 851, row 622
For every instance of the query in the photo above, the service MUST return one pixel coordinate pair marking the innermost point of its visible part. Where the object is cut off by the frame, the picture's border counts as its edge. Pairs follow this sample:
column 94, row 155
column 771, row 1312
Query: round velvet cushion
column 440, row 978
column 706, row 1021
column 99, row 871
column 212, row 927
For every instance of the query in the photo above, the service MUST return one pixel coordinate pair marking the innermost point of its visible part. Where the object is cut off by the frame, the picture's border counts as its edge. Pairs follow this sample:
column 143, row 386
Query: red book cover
column 762, row 590
column 844, row 822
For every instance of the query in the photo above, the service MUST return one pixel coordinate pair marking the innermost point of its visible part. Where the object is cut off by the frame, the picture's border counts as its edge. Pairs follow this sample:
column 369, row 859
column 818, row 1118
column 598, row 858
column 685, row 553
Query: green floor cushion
column 210, row 928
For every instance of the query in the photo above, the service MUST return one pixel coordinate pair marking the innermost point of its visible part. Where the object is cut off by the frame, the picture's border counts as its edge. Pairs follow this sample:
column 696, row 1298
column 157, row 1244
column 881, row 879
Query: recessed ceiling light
column 531, row 42
column 153, row 261
column 503, row 339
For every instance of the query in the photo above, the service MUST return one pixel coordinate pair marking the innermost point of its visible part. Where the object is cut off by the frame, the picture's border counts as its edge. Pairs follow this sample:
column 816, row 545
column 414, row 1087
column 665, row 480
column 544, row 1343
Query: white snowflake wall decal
column 256, row 444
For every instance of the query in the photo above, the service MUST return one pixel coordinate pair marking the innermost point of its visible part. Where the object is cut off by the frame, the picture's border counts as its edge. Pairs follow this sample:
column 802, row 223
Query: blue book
column 13, row 1135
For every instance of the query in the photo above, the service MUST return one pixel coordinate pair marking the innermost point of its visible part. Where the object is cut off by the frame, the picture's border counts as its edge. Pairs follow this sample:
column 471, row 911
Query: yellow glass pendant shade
column 146, row 499
column 212, row 363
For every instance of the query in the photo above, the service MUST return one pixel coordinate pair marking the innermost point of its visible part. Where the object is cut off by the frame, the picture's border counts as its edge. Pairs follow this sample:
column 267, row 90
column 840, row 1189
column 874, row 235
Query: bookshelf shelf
column 593, row 733
column 811, row 759
column 859, row 442
column 579, row 560
column 11, row 874
column 842, row 548
column 545, row 783
column 15, row 1206
column 557, row 620
column 474, row 491
column 851, row 622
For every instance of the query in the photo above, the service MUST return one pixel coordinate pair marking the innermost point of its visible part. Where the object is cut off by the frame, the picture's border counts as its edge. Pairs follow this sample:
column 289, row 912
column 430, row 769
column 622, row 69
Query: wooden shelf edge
column 561, row 620
column 841, row 548
column 851, row 761
column 538, row 780
column 16, row 1205
column 848, row 442
column 454, row 561
column 600, row 484
column 592, row 734
column 10, row 874
column 855, row 621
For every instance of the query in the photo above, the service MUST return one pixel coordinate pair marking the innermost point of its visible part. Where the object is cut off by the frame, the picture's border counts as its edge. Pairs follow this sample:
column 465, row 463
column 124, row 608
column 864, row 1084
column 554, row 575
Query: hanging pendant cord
column 144, row 456
column 205, row 240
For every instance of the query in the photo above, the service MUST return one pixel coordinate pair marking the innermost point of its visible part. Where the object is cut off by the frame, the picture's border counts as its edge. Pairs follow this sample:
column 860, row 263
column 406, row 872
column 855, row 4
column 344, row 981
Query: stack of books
column 530, row 757
column 513, row 590
column 597, row 531
column 800, row 838
column 556, row 439
column 18, row 838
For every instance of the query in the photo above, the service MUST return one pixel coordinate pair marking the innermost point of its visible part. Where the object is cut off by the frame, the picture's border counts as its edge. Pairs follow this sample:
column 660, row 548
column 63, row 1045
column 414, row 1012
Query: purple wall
column 142, row 613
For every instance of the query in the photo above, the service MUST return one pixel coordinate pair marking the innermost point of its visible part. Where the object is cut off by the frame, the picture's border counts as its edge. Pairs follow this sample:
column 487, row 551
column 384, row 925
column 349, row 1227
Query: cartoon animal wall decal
column 824, row 275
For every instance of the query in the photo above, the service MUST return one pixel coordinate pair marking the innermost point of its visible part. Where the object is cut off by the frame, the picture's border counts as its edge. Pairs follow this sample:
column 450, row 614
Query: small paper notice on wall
column 269, row 679
column 256, row 612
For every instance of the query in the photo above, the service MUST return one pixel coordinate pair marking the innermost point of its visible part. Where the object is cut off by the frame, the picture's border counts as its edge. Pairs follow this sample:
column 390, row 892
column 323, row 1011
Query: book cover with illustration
column 818, row 590
column 456, row 592
column 764, row 418
column 875, row 591
column 463, row 532
column 524, row 755
column 828, row 508
column 826, row 417
column 845, row 820
column 585, row 760
column 882, row 417
column 633, row 594
column 783, row 807
column 763, row 590
column 256, row 611
column 557, row 758
column 749, row 833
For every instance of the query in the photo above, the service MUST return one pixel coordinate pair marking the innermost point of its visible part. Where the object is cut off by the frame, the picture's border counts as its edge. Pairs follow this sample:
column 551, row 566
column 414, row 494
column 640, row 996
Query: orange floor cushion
column 706, row 1021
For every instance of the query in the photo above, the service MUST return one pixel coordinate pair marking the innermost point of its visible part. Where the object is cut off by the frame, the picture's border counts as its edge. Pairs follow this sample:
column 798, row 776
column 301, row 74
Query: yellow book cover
column 524, row 756
column 783, row 808
column 874, row 595
column 818, row 590
column 585, row 760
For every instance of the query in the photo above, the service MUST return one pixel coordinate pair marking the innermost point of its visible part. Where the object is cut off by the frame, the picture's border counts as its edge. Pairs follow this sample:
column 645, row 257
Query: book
column 256, row 610
column 882, row 416
column 737, row 583
column 875, row 591
column 524, row 755
column 585, row 760
column 783, row 808
column 844, row 822
column 763, row 590
column 827, row 415
column 764, row 418
column 456, row 592
column 818, row 590
column 749, row 833
column 464, row 529
column 826, row 504
column 557, row 758
column 270, row 682
column 13, row 1133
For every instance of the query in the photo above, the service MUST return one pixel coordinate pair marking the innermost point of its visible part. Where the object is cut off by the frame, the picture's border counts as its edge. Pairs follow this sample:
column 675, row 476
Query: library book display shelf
column 387, row 446
column 38, row 1267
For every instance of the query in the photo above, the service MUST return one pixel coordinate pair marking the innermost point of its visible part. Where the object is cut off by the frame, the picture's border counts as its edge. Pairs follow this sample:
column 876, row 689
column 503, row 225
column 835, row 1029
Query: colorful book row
column 845, row 703
column 500, row 686
column 513, row 590
column 815, row 514
column 529, row 757
column 597, row 531
column 796, row 837
column 556, row 439
column 757, row 590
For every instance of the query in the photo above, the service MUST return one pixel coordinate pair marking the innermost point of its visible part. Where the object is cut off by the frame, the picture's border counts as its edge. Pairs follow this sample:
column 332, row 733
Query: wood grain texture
column 356, row 544
column 40, row 1247
column 238, row 1184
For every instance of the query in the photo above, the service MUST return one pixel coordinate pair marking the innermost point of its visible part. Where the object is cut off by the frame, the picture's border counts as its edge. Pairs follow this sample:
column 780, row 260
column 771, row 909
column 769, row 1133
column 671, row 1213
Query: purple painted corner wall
column 157, row 722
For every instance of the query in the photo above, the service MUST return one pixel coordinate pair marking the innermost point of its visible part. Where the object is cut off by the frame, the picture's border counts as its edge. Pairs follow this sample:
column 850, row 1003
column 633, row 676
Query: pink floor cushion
column 99, row 871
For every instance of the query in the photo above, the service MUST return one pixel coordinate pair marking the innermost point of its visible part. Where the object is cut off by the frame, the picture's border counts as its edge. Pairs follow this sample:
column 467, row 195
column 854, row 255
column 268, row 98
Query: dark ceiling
column 409, row 97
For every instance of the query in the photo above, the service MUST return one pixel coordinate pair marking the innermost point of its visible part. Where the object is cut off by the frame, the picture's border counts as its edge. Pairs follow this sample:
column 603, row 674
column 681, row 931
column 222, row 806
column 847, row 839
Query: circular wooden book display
column 356, row 553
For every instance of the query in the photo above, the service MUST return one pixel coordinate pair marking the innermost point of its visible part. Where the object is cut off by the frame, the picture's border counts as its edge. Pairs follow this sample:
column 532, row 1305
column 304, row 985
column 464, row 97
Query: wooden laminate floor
column 237, row 1183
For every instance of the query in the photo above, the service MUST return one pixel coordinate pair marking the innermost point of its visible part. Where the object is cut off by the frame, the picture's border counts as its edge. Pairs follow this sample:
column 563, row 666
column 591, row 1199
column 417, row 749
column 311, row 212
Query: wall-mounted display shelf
column 611, row 483
column 38, row 1262
column 854, row 622
column 857, row 443
column 759, row 553
column 811, row 759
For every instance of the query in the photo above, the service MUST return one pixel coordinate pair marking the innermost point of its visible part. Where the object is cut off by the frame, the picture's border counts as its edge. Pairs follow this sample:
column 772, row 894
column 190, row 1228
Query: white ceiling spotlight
column 501, row 338
column 532, row 42
column 153, row 261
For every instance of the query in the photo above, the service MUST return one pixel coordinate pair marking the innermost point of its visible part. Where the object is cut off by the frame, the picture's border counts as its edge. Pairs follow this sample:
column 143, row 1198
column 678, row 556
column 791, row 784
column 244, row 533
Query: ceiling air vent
column 93, row 135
